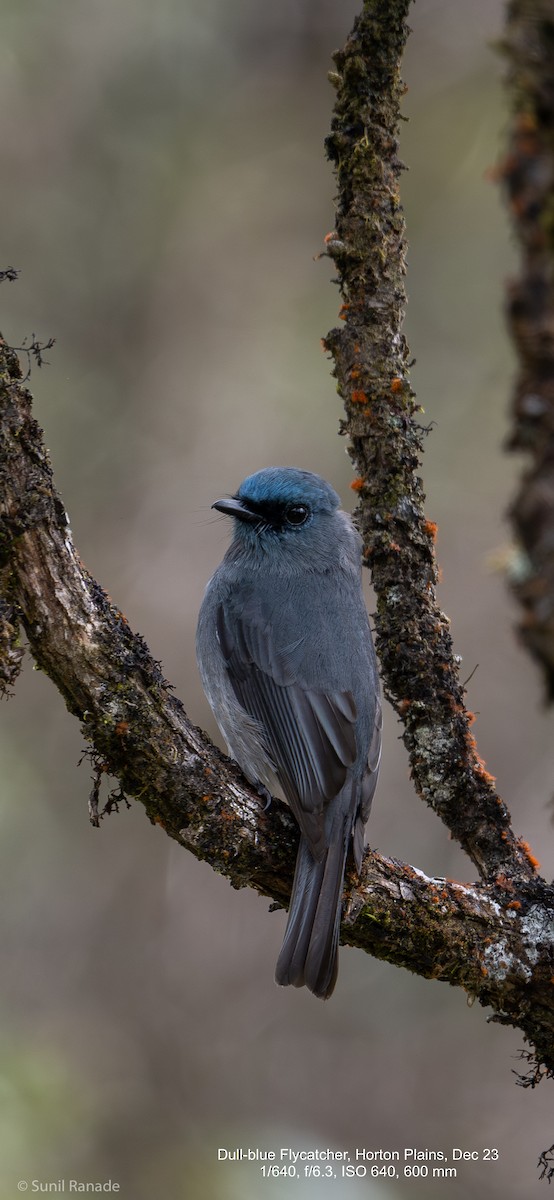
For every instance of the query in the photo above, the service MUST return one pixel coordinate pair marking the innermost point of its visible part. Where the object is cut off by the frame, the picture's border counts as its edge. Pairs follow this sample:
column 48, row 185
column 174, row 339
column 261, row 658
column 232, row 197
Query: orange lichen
column 358, row 397
column 430, row 528
column 486, row 776
column 494, row 173
column 357, row 485
column 514, row 904
column 396, row 384
column 343, row 312
column 531, row 858
column 527, row 144
column 526, row 122
column 330, row 237
column 122, row 728
column 473, row 746
column 403, row 705
column 518, row 206
column 479, row 768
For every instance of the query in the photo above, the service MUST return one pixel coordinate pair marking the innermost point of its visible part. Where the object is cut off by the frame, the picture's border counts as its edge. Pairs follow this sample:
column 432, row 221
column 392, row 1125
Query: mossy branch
column 495, row 938
column 371, row 356
column 481, row 938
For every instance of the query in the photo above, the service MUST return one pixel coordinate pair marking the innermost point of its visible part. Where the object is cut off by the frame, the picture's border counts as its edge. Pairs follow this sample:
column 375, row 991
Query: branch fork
column 493, row 938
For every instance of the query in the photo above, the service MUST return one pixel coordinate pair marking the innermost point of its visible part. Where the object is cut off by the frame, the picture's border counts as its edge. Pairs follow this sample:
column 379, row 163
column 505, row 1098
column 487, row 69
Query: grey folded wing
column 310, row 734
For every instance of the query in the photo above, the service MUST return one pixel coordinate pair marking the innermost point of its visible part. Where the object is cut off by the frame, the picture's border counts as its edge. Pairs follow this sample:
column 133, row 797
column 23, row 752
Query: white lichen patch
column 499, row 962
column 394, row 596
column 433, row 744
column 434, row 740
column 537, row 932
column 536, row 941
column 247, row 810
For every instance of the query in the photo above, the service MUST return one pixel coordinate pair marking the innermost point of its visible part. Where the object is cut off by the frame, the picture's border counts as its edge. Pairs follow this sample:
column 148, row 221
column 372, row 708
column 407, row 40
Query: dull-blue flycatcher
column 288, row 666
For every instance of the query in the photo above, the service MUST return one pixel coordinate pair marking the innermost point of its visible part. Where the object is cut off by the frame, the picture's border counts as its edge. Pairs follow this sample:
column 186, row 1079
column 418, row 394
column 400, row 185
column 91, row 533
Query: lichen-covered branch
column 494, row 939
column 481, row 938
column 527, row 174
column 11, row 650
column 104, row 672
column 420, row 670
column 487, row 940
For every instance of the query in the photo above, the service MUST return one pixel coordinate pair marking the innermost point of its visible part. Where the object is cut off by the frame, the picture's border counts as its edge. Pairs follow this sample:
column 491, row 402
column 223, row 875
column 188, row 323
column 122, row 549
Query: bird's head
column 290, row 510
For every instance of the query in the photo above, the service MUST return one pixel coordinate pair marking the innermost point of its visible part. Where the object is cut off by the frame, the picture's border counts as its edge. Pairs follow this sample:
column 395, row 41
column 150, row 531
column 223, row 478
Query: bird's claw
column 264, row 794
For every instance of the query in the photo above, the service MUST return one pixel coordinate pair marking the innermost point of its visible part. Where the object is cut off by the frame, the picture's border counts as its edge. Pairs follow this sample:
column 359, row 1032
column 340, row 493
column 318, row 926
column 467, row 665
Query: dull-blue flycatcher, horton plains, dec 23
column 288, row 666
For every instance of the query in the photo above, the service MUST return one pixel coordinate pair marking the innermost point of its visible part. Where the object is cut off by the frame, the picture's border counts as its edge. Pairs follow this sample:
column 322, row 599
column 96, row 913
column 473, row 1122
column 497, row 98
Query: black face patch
column 278, row 514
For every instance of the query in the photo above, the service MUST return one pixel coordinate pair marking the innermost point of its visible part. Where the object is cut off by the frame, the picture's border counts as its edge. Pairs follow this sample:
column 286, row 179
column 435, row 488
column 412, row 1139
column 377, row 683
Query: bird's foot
column 264, row 794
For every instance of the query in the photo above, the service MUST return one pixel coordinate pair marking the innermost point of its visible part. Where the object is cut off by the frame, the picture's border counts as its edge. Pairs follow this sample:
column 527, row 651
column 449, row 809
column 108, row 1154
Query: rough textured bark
column 371, row 357
column 527, row 174
column 495, row 939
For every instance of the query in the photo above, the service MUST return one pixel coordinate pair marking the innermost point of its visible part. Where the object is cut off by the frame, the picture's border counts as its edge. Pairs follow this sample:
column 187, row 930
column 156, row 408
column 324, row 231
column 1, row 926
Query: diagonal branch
column 480, row 938
column 493, row 939
column 420, row 670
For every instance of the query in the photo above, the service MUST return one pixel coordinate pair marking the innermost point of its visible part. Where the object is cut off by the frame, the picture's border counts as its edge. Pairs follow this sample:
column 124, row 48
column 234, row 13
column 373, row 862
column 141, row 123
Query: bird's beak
column 233, row 507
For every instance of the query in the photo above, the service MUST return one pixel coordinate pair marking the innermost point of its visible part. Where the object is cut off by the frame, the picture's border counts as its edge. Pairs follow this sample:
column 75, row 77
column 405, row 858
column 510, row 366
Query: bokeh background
column 164, row 193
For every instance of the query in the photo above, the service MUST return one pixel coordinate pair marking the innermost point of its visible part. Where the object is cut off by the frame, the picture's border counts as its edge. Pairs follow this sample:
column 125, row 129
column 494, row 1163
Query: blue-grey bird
column 287, row 664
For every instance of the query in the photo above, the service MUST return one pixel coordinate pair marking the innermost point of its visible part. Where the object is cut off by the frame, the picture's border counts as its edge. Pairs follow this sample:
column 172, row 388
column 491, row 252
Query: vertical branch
column 11, row 650
column 527, row 174
column 420, row 670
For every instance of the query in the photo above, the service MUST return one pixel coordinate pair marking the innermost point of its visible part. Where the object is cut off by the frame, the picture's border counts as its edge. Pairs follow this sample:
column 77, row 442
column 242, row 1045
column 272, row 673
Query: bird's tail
column 309, row 954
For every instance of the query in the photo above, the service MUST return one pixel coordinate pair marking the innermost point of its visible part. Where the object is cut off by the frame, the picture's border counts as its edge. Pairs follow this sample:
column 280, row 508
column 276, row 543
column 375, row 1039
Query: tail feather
column 309, row 954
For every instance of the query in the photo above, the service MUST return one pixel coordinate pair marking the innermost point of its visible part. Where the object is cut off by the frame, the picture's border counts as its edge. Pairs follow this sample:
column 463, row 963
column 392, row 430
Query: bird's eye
column 297, row 514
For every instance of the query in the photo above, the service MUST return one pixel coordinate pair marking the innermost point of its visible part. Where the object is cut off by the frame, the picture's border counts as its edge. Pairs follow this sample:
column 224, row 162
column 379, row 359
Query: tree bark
column 527, row 175
column 371, row 359
column 495, row 938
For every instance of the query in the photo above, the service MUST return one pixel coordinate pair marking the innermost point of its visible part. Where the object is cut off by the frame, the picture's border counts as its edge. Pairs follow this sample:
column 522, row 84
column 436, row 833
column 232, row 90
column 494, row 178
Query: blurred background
column 164, row 193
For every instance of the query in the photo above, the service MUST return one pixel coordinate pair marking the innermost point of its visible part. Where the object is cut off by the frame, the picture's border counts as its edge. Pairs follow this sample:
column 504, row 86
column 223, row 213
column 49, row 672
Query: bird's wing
column 310, row 735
